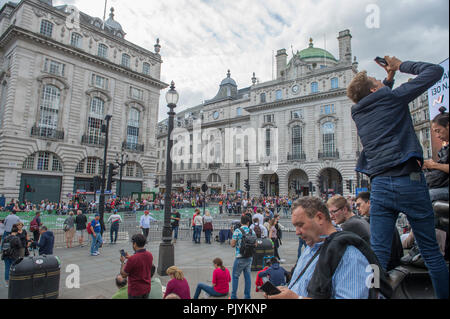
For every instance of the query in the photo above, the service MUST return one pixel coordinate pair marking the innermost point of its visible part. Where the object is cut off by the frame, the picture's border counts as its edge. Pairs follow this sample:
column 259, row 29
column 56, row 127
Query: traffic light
column 247, row 185
column 111, row 173
column 188, row 185
column 28, row 188
column 97, row 183
column 204, row 188
column 349, row 185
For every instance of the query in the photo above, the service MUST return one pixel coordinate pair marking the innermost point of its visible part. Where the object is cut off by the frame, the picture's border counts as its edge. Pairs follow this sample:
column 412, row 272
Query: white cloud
column 201, row 40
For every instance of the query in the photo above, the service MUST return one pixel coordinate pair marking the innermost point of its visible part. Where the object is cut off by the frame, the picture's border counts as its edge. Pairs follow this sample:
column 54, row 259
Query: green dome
column 315, row 53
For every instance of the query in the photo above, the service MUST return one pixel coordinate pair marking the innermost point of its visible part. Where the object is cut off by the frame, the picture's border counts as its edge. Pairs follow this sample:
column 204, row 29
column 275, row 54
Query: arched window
column 76, row 40
column 46, row 28
column 328, row 132
column 297, row 141
column 334, row 83
column 314, row 87
column 43, row 161
column 102, row 51
column 263, row 97
column 278, row 95
column 146, row 68
column 133, row 129
column 126, row 60
column 49, row 110
column 95, row 121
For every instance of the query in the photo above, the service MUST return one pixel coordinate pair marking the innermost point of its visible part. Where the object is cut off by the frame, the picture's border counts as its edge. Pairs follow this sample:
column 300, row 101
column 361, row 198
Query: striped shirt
column 349, row 279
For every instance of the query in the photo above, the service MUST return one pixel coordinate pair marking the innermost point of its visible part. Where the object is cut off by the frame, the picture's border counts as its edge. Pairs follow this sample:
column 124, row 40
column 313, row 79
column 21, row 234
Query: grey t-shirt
column 70, row 221
column 10, row 220
column 359, row 226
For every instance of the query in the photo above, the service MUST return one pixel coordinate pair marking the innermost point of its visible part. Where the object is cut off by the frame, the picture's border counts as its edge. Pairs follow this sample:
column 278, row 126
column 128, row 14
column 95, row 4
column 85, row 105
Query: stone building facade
column 61, row 73
column 302, row 119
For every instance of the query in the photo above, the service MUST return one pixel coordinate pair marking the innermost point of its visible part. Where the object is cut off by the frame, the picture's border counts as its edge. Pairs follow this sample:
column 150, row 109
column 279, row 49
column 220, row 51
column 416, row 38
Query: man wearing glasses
column 343, row 216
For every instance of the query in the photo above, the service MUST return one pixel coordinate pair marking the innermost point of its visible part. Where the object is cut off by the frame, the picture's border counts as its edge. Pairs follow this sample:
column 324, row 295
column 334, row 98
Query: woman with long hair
column 177, row 284
column 221, row 281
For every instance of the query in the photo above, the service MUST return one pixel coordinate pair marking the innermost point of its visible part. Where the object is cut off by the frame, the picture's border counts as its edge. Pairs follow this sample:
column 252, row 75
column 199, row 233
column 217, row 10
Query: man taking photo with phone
column 137, row 269
column 392, row 157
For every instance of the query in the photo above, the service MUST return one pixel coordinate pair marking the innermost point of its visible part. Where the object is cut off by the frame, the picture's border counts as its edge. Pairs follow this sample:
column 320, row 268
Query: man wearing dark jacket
column 277, row 274
column 46, row 242
column 392, row 157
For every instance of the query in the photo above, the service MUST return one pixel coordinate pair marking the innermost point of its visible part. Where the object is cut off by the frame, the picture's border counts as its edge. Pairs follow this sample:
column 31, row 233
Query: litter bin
column 35, row 277
column 264, row 248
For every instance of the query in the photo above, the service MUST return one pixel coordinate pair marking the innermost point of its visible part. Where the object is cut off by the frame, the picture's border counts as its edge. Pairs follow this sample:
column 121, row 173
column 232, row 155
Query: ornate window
column 99, row 82
column 328, row 142
column 146, row 68
column 76, row 40
column 214, row 178
column 334, row 83
column 268, row 137
column 297, row 140
column 54, row 67
column 102, row 51
column 278, row 95
column 314, row 87
column 126, row 60
column 136, row 93
column 49, row 110
column 46, row 28
column 95, row 121
column 133, row 127
column 263, row 97
column 327, row 109
column 43, row 161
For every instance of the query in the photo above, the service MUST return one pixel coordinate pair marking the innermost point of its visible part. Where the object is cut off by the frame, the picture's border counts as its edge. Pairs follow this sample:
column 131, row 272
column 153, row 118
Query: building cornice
column 14, row 32
column 57, row 13
column 297, row 100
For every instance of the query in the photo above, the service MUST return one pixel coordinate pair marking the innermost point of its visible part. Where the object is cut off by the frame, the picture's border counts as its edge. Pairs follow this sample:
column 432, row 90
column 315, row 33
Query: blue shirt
column 96, row 225
column 237, row 236
column 349, row 279
column 145, row 221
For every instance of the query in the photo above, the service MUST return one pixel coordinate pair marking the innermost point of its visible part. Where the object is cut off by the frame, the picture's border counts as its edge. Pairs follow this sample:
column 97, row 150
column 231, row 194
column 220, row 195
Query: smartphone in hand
column 270, row 289
column 381, row 61
column 122, row 252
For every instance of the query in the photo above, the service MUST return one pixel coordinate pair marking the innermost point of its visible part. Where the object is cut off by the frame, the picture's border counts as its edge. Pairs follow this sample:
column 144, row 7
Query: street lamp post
column 247, row 164
column 121, row 163
column 105, row 155
column 166, row 249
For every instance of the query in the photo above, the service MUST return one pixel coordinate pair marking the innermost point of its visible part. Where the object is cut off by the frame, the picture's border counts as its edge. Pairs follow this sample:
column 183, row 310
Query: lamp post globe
column 172, row 95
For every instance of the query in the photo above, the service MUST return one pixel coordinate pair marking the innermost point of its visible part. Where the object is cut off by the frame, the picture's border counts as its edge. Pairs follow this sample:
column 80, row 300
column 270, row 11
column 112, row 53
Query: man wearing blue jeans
column 96, row 236
column 392, row 157
column 241, row 264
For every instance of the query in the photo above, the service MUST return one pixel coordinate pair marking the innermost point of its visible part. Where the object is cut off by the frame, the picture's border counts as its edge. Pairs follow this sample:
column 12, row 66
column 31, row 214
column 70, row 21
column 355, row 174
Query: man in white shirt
column 259, row 215
column 145, row 223
column 198, row 225
column 115, row 219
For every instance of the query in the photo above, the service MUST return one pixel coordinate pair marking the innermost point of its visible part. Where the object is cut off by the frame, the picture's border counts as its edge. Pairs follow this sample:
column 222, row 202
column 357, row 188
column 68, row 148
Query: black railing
column 214, row 166
column 47, row 133
column 329, row 154
column 92, row 140
column 296, row 157
column 133, row 147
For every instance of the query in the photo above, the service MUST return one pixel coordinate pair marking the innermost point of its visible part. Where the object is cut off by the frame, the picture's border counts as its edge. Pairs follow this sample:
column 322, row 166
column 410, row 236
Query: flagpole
column 104, row 14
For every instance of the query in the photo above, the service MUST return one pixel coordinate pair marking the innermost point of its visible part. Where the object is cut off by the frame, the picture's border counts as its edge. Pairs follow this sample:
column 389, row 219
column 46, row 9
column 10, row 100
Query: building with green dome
column 306, row 144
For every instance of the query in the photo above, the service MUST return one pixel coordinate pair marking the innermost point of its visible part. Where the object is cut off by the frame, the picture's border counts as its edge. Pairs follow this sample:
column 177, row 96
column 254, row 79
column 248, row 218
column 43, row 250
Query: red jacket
column 259, row 282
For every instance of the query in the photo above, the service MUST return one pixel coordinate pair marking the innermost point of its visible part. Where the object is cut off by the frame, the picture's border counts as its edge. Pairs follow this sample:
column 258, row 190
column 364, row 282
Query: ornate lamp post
column 122, row 162
column 166, row 249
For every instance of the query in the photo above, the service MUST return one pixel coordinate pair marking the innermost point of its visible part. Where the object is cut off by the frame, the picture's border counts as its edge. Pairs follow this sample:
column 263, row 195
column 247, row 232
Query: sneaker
column 282, row 261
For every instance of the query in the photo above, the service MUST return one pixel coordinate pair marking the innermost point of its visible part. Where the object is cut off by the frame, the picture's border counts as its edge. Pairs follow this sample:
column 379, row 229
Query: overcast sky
column 201, row 39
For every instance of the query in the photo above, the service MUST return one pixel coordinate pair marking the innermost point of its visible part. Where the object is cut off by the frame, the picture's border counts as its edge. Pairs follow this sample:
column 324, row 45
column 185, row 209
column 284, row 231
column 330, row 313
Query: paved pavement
column 97, row 273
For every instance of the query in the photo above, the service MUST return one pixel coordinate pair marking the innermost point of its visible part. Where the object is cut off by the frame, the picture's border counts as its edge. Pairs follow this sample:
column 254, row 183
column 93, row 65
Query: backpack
column 6, row 248
column 248, row 244
column 88, row 228
column 257, row 231
column 34, row 225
